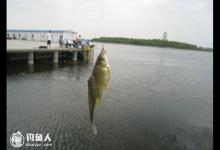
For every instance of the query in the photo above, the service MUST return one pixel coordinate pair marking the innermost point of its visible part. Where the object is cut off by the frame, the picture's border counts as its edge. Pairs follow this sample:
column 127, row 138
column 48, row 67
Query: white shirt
column 48, row 36
column 70, row 42
column 83, row 42
column 90, row 43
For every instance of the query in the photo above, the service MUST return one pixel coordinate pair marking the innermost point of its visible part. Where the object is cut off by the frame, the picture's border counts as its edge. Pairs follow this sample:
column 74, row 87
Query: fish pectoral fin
column 93, row 86
column 99, row 91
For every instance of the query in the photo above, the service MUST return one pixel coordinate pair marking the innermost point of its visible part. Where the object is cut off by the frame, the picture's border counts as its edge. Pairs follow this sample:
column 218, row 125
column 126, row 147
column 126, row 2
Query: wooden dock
column 49, row 54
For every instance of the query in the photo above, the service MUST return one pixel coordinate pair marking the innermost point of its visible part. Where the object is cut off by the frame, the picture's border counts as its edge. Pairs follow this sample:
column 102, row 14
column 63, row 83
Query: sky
column 188, row 21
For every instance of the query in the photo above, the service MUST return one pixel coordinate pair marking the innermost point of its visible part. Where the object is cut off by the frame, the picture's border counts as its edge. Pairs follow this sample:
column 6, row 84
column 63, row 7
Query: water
column 158, row 98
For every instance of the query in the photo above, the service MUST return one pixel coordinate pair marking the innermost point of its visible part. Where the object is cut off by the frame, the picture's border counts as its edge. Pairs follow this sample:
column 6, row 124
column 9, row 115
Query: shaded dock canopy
column 39, row 34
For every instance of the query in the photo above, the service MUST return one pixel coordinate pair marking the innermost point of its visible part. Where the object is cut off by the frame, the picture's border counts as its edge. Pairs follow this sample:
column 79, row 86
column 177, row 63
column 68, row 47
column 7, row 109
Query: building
column 165, row 36
column 40, row 35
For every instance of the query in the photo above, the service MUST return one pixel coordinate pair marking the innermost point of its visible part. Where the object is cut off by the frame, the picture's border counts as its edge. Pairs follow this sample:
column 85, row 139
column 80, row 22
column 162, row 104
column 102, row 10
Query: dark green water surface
column 157, row 99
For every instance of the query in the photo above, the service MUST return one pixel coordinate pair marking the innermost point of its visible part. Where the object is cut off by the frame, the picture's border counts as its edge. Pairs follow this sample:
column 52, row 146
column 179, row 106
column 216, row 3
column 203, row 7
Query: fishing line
column 102, row 33
column 101, row 27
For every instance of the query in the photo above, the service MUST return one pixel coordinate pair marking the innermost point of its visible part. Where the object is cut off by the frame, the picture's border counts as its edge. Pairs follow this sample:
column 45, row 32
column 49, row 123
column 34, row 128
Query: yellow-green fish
column 97, row 83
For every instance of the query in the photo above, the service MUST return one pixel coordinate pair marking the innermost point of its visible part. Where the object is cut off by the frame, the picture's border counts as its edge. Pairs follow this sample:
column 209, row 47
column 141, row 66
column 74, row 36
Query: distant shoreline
column 151, row 42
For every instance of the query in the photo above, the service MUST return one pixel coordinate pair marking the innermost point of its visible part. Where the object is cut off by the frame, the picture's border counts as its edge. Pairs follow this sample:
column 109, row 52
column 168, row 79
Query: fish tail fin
column 94, row 130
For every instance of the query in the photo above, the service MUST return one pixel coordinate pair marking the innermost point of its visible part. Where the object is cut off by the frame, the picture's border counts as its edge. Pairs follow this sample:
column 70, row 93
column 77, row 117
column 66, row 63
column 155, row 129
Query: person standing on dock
column 49, row 39
column 61, row 41
column 78, row 41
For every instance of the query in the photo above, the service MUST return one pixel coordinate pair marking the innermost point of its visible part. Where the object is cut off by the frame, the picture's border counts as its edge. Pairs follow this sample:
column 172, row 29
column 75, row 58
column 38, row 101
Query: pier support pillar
column 75, row 53
column 55, row 57
column 31, row 58
column 90, row 56
column 31, row 68
column 84, row 55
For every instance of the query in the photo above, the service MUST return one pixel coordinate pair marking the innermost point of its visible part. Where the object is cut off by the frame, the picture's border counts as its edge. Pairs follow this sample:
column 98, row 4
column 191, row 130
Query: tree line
column 149, row 42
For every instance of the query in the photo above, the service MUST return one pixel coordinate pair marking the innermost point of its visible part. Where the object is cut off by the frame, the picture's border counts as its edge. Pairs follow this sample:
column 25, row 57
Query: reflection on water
column 157, row 99
column 31, row 68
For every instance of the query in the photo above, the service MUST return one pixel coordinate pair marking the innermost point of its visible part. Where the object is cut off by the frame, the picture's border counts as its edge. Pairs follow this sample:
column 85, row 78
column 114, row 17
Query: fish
column 97, row 84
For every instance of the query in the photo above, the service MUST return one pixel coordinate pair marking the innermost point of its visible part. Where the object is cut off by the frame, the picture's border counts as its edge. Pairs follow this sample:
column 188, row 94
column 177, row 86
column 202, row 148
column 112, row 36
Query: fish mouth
column 103, row 51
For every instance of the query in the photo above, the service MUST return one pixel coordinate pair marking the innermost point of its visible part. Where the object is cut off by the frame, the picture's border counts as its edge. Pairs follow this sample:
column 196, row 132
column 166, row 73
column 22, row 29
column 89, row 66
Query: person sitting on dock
column 74, row 43
column 49, row 39
column 83, row 42
column 70, row 42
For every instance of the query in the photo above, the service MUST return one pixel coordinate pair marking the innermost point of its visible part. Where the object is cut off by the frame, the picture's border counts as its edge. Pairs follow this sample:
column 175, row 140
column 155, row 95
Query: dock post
column 55, row 66
column 75, row 55
column 90, row 55
column 84, row 55
column 31, row 58
column 31, row 68
column 55, row 57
